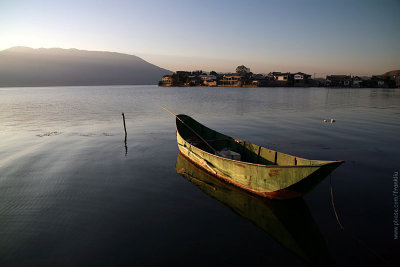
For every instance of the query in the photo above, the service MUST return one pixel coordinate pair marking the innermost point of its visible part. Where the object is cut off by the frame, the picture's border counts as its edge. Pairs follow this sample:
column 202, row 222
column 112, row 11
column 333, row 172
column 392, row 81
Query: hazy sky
column 358, row 37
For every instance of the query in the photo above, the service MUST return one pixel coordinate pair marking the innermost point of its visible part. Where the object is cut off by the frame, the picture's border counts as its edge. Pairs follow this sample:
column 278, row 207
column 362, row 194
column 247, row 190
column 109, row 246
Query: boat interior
column 249, row 152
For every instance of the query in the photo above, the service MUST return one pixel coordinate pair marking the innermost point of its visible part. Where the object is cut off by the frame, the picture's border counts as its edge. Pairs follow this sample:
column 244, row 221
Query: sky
column 321, row 37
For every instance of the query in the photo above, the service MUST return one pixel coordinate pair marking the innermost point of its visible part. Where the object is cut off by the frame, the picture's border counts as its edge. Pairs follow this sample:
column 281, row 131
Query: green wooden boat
column 260, row 170
column 289, row 222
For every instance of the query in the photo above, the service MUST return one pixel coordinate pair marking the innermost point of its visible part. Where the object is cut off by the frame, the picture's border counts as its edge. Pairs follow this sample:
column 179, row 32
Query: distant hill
column 24, row 66
column 392, row 73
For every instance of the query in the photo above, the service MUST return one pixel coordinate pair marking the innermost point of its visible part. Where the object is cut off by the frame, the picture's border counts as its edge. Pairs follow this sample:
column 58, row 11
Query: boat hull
column 272, row 181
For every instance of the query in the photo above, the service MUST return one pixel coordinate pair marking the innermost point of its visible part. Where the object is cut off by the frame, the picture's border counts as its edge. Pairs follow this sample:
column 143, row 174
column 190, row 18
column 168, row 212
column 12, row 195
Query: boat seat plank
column 284, row 159
column 267, row 156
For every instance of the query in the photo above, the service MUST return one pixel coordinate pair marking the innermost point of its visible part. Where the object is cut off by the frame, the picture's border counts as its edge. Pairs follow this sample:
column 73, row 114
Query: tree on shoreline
column 242, row 69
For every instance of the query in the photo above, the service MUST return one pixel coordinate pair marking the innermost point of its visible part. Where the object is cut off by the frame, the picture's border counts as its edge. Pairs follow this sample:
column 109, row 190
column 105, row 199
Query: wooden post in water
column 123, row 118
column 126, row 146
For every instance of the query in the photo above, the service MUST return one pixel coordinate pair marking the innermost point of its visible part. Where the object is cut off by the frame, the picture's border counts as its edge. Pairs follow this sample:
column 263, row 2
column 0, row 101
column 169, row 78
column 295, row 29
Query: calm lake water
column 70, row 193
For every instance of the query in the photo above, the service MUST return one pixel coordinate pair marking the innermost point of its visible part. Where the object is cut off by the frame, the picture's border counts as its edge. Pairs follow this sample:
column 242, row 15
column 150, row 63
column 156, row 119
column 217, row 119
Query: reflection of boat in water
column 289, row 222
column 257, row 169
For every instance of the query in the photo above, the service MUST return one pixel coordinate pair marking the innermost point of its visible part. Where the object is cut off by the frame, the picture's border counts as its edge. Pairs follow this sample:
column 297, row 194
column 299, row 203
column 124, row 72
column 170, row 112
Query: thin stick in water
column 126, row 134
column 123, row 119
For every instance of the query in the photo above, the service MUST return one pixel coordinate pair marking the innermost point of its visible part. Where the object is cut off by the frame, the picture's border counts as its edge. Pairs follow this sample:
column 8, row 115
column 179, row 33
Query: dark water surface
column 70, row 195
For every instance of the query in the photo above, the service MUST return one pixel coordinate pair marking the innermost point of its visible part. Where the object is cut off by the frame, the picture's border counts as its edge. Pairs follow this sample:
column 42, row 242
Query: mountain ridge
column 392, row 73
column 25, row 66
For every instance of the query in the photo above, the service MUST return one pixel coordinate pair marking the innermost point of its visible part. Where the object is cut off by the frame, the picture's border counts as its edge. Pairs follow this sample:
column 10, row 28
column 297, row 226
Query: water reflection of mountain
column 289, row 222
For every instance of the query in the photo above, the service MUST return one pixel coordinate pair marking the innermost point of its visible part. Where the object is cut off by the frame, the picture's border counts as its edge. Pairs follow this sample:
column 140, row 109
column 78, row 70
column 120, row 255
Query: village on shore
column 243, row 77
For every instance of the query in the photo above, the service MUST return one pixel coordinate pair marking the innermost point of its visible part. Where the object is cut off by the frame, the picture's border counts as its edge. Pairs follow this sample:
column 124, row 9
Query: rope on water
column 351, row 234
column 333, row 204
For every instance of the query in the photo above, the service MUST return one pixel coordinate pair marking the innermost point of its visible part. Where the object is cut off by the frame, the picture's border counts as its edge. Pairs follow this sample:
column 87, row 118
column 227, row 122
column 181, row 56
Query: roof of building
column 234, row 74
column 339, row 76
